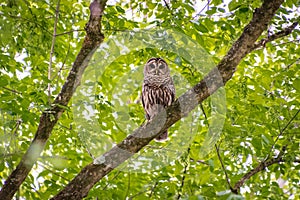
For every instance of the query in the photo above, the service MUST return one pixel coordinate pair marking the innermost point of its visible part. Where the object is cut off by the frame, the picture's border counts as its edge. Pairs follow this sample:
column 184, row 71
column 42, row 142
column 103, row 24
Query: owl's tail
column 162, row 136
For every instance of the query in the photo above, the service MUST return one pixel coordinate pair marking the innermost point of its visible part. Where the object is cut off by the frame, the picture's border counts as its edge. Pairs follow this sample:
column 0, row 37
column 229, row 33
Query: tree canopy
column 72, row 124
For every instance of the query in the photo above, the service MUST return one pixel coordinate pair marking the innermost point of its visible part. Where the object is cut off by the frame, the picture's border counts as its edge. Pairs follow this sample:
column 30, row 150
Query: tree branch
column 49, row 117
column 206, row 6
column 52, row 50
column 79, row 187
column 223, row 167
column 180, row 190
column 11, row 90
column 284, row 43
column 294, row 62
column 68, row 32
column 257, row 169
column 275, row 36
column 52, row 171
column 152, row 189
column 281, row 132
column 167, row 5
column 199, row 161
column 267, row 162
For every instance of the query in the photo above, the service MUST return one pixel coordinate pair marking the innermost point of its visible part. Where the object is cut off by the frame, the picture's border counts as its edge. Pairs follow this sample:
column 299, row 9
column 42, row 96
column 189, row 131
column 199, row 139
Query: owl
column 158, row 89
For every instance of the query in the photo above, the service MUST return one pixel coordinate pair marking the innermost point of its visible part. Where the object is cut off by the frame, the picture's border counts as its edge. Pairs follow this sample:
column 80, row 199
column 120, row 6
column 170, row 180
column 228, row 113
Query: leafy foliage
column 262, row 100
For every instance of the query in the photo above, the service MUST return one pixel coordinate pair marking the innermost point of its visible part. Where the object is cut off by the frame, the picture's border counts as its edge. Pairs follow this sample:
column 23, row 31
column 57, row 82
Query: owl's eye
column 161, row 66
column 152, row 66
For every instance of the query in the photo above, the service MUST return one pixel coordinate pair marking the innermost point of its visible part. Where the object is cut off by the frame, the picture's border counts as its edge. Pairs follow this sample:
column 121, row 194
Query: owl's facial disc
column 157, row 68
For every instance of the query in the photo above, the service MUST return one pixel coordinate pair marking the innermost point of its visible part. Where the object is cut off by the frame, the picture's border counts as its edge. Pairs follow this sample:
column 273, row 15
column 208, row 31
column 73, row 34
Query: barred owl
column 158, row 89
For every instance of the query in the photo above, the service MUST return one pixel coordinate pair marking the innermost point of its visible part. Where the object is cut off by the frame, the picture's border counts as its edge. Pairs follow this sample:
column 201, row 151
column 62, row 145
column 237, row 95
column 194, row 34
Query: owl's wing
column 169, row 95
column 144, row 100
column 172, row 91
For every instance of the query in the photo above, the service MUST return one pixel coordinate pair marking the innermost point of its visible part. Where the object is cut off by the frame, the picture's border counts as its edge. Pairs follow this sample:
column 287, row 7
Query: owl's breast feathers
column 155, row 94
column 158, row 82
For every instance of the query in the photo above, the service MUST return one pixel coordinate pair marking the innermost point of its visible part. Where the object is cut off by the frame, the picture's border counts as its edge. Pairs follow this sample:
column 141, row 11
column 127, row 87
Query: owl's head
column 156, row 67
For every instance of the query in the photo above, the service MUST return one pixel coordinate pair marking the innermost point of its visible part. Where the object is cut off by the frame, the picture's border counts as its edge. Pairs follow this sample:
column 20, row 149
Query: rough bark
column 49, row 117
column 79, row 187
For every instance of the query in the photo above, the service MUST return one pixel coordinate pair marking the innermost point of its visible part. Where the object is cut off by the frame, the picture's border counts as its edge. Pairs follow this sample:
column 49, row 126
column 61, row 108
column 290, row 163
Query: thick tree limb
column 92, row 173
column 49, row 117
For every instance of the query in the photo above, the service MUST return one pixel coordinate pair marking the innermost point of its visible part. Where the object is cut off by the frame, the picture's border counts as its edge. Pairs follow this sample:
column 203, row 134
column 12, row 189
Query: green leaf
column 120, row 9
column 3, row 82
column 233, row 5
column 201, row 28
column 296, row 84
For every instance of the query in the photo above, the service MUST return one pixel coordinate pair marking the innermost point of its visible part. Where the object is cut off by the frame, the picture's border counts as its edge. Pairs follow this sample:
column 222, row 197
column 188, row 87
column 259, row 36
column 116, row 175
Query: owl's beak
column 156, row 71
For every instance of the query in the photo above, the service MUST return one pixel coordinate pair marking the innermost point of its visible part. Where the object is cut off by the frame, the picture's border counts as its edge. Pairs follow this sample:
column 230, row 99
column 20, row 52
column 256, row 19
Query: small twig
column 52, row 50
column 206, row 5
column 281, row 132
column 204, row 113
column 137, row 194
column 273, row 37
column 199, row 161
column 64, row 62
column 295, row 62
column 89, row 152
column 68, row 32
column 167, row 5
column 12, row 141
column 12, row 90
column 184, row 174
column 285, row 127
column 128, row 186
column 18, row 123
column 284, row 43
column 60, row 157
column 53, row 172
column 223, row 167
column 115, row 176
column 5, row 155
column 187, row 160
column 152, row 189
column 65, row 127
column 30, row 21
column 116, row 30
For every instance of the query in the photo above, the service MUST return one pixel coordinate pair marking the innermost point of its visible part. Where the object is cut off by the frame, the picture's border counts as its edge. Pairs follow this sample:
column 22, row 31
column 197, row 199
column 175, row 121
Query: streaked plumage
column 158, row 89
